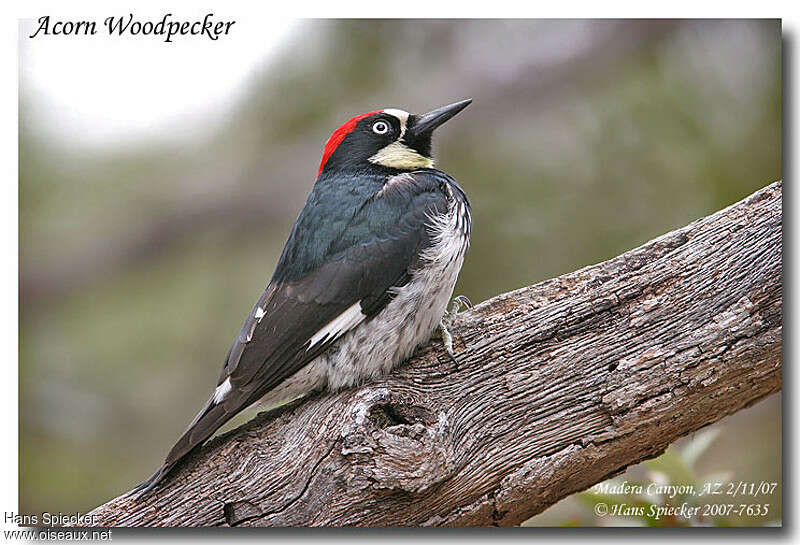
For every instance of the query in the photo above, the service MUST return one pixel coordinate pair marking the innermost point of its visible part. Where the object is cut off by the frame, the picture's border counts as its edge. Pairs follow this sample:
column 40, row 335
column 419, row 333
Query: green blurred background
column 140, row 258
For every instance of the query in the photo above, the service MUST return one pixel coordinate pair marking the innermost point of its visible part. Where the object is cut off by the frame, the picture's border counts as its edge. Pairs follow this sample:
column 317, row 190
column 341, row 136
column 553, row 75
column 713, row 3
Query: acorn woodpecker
column 364, row 278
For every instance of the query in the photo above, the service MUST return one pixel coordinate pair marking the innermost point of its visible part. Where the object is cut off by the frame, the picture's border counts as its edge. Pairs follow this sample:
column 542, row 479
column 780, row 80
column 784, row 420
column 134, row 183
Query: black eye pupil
column 381, row 127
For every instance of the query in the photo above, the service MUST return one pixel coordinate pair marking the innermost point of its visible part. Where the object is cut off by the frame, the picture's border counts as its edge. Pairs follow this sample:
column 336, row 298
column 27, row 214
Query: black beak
column 424, row 124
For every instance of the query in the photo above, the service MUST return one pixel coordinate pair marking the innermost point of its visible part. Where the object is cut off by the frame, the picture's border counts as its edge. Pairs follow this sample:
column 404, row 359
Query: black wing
column 377, row 248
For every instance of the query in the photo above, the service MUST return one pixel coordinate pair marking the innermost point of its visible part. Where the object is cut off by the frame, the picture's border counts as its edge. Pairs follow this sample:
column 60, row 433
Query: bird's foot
column 447, row 321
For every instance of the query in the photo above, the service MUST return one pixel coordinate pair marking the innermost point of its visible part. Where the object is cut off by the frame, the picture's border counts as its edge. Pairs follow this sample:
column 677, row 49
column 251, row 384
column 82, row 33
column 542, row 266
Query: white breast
column 375, row 347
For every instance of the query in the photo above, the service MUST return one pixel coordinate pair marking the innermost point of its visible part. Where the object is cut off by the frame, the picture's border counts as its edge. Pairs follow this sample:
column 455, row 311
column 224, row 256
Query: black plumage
column 359, row 237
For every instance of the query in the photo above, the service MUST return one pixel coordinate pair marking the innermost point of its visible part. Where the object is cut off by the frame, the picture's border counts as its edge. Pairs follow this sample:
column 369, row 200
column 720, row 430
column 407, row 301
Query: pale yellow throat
column 398, row 155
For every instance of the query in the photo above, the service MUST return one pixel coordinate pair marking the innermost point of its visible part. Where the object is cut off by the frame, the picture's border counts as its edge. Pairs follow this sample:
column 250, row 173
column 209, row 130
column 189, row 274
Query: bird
column 365, row 276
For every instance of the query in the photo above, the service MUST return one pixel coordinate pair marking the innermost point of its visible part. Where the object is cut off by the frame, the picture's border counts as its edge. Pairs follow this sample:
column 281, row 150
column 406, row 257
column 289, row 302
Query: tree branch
column 560, row 386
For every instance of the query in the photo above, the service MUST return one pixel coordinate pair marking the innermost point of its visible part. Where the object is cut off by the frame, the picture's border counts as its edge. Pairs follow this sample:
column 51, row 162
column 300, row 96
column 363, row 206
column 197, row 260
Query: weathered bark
column 560, row 385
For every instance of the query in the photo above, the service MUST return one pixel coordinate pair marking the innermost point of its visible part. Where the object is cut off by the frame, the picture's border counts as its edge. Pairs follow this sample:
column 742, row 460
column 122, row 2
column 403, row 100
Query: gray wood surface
column 561, row 385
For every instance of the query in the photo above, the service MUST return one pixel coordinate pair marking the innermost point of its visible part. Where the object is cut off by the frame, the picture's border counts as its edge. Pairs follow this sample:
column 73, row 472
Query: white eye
column 380, row 127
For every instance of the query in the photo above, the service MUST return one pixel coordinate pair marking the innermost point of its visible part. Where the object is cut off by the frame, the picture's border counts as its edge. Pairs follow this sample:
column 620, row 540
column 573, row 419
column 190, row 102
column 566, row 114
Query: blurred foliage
column 723, row 453
column 676, row 495
column 138, row 264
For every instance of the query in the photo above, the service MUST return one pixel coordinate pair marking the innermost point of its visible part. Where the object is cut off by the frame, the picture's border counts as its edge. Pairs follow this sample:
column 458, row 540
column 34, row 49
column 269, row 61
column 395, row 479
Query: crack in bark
column 262, row 515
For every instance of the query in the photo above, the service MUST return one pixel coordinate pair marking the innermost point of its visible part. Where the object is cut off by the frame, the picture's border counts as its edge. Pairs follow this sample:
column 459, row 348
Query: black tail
column 147, row 485
column 210, row 418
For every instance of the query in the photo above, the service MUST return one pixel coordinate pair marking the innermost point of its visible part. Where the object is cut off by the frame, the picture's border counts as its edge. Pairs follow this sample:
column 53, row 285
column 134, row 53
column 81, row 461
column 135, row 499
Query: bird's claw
column 447, row 321
column 459, row 302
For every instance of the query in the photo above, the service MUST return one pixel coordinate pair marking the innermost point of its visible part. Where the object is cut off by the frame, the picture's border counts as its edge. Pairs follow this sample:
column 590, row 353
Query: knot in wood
column 396, row 444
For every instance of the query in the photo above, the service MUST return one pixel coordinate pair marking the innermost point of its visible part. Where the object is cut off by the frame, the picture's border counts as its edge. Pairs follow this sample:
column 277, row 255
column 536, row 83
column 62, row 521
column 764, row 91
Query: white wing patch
column 344, row 322
column 222, row 390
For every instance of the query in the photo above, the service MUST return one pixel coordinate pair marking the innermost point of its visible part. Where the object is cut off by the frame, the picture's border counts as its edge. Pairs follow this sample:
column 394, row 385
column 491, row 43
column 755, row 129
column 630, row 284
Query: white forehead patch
column 401, row 116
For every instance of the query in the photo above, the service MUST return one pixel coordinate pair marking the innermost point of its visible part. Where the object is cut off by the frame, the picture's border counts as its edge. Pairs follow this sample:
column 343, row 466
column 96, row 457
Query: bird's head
column 389, row 138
